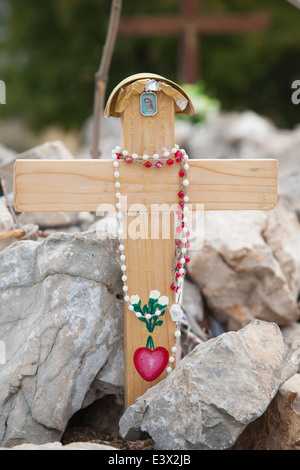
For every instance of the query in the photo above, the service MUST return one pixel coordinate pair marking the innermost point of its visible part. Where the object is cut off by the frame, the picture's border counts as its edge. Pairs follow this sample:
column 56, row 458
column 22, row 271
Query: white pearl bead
column 169, row 370
column 186, row 199
column 125, row 153
column 125, row 288
column 158, row 312
column 184, row 239
column 119, row 215
column 123, row 267
column 123, row 257
column 118, row 205
column 127, row 298
column 116, row 164
column 138, row 314
column 185, row 182
column 148, row 316
column 116, row 174
column 114, row 156
column 156, row 156
column 174, row 150
column 145, row 157
column 177, row 147
column 166, row 154
column 121, row 247
column 186, row 166
column 183, row 250
column 179, row 291
column 118, row 195
column 171, row 359
column 185, row 230
column 177, row 334
column 135, row 156
column 118, row 149
column 117, row 184
column 124, row 278
column 181, row 271
column 174, row 349
column 182, row 260
column 131, row 308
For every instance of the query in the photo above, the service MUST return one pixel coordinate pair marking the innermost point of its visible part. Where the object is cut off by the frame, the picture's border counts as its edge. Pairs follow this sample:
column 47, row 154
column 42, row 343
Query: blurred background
column 50, row 52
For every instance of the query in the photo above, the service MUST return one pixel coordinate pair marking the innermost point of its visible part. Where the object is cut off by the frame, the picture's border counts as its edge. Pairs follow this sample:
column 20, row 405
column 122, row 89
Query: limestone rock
column 249, row 266
column 59, row 446
column 214, row 392
column 61, row 220
column 61, row 321
column 6, row 224
column 48, row 151
column 279, row 427
column 5, row 154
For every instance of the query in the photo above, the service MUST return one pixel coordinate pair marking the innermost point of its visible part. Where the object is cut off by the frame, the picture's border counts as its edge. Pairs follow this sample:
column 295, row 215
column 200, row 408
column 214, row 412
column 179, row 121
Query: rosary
column 152, row 313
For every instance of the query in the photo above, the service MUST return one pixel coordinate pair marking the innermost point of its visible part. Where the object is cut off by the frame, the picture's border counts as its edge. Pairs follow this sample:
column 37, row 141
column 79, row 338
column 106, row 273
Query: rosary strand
column 182, row 233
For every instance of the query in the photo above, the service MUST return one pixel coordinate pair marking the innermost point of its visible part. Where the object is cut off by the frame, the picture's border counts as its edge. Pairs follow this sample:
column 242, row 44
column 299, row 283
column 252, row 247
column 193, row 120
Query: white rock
column 61, row 322
column 214, row 392
column 249, row 266
column 279, row 427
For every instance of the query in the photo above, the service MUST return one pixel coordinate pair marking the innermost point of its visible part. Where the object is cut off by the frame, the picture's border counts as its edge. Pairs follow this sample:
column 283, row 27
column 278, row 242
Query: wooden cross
column 190, row 25
column 84, row 185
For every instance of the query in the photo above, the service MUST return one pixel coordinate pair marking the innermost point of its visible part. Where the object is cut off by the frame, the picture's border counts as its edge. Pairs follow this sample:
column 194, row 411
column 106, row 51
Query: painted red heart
column 151, row 363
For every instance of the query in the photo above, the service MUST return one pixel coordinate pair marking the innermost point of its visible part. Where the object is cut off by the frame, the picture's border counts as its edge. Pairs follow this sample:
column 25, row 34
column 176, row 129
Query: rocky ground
column 61, row 318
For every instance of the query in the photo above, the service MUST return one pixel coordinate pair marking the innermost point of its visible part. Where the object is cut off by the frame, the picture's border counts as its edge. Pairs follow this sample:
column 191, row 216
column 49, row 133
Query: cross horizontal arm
column 82, row 185
column 204, row 24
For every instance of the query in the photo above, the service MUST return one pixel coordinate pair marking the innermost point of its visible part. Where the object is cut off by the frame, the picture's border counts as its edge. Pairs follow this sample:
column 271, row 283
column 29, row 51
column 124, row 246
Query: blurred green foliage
column 51, row 50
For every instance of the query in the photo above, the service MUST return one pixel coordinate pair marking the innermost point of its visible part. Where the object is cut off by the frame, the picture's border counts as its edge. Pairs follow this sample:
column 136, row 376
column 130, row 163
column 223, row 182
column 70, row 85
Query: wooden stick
column 101, row 76
column 19, row 233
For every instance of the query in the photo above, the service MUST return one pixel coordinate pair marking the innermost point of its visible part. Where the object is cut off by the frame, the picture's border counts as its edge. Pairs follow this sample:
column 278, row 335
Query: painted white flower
column 134, row 299
column 176, row 312
column 163, row 300
column 154, row 294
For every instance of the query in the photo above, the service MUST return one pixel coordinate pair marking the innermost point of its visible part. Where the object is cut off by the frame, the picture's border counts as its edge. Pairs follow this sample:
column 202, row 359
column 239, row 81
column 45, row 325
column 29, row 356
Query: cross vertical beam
column 190, row 25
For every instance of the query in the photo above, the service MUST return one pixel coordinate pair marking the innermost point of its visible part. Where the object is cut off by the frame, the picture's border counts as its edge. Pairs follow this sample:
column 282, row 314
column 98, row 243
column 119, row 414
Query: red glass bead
column 159, row 164
column 173, row 286
column 179, row 216
column 187, row 259
column 170, row 161
column 178, row 265
column 182, row 173
column 181, row 205
column 178, row 156
column 178, row 242
column 187, row 245
column 129, row 159
column 119, row 155
column 182, row 224
column 178, row 229
column 181, row 194
column 148, row 164
column 177, row 274
column 187, row 234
